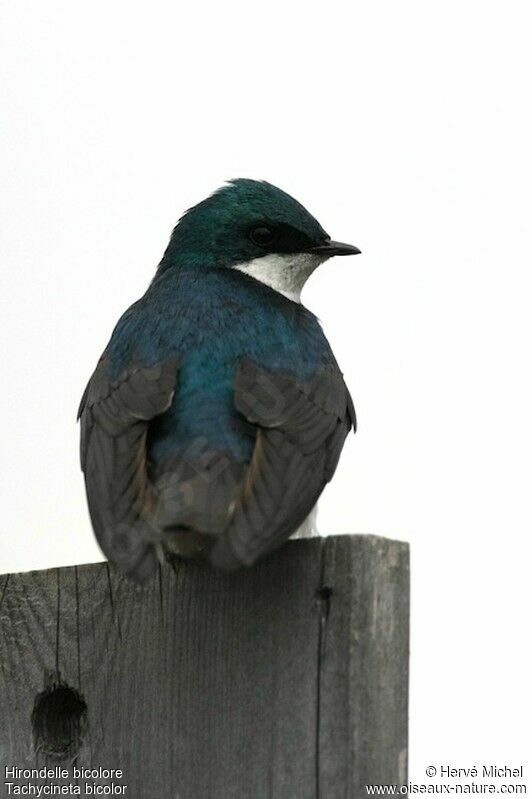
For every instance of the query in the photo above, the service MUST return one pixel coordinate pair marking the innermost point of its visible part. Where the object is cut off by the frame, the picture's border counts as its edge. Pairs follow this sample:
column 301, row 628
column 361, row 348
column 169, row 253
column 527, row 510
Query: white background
column 406, row 129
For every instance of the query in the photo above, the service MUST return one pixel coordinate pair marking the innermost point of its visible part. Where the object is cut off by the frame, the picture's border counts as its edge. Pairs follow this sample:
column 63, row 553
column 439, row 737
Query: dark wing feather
column 114, row 416
column 302, row 426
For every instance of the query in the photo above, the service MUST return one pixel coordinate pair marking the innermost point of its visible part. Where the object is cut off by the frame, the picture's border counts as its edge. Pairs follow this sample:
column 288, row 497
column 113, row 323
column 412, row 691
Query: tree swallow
column 217, row 412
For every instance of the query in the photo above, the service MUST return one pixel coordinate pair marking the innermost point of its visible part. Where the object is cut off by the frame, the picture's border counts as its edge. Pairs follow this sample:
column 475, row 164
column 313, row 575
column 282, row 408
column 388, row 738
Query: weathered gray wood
column 286, row 680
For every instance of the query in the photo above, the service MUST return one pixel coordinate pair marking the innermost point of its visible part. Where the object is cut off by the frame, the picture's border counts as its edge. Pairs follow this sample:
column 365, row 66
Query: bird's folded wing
column 301, row 427
column 114, row 417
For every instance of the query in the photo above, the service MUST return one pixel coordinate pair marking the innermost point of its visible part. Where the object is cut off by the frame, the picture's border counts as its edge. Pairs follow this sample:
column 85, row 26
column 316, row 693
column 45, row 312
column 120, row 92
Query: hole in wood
column 59, row 721
column 322, row 599
column 324, row 593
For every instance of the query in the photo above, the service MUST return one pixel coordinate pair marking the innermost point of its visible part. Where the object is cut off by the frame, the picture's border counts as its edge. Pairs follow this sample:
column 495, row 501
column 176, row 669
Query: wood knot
column 59, row 721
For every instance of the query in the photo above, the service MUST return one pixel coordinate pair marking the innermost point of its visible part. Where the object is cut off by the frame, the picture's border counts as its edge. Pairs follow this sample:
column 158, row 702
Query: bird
column 217, row 412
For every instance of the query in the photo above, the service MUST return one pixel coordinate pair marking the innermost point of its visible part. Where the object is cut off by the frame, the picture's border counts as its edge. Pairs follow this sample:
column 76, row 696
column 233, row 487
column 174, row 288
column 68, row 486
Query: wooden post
column 287, row 680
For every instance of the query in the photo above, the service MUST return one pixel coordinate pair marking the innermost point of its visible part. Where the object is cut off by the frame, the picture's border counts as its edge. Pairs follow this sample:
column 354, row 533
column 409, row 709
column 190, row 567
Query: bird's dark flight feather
column 302, row 426
column 238, row 511
column 114, row 417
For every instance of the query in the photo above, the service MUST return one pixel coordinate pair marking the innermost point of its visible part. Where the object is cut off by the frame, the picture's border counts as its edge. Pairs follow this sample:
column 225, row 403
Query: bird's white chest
column 285, row 273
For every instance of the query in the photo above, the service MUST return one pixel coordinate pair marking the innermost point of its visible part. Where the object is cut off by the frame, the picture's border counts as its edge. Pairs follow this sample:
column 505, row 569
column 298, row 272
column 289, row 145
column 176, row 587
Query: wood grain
column 285, row 680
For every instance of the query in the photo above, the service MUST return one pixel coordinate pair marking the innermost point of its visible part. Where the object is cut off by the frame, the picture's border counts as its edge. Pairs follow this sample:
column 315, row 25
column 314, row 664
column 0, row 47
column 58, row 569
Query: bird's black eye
column 262, row 235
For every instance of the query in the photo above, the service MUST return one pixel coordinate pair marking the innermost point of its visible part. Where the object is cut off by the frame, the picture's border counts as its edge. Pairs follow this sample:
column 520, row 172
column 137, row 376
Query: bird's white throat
column 285, row 273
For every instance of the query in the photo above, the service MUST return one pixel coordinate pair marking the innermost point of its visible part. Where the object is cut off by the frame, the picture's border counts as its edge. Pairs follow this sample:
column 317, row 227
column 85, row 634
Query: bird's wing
column 114, row 416
column 301, row 427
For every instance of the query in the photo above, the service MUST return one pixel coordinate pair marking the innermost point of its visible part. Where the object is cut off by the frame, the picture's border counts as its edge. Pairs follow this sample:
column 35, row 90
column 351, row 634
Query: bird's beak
column 330, row 248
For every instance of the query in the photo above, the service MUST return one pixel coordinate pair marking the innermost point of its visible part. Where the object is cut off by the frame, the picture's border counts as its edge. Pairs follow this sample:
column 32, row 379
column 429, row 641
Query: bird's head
column 258, row 229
